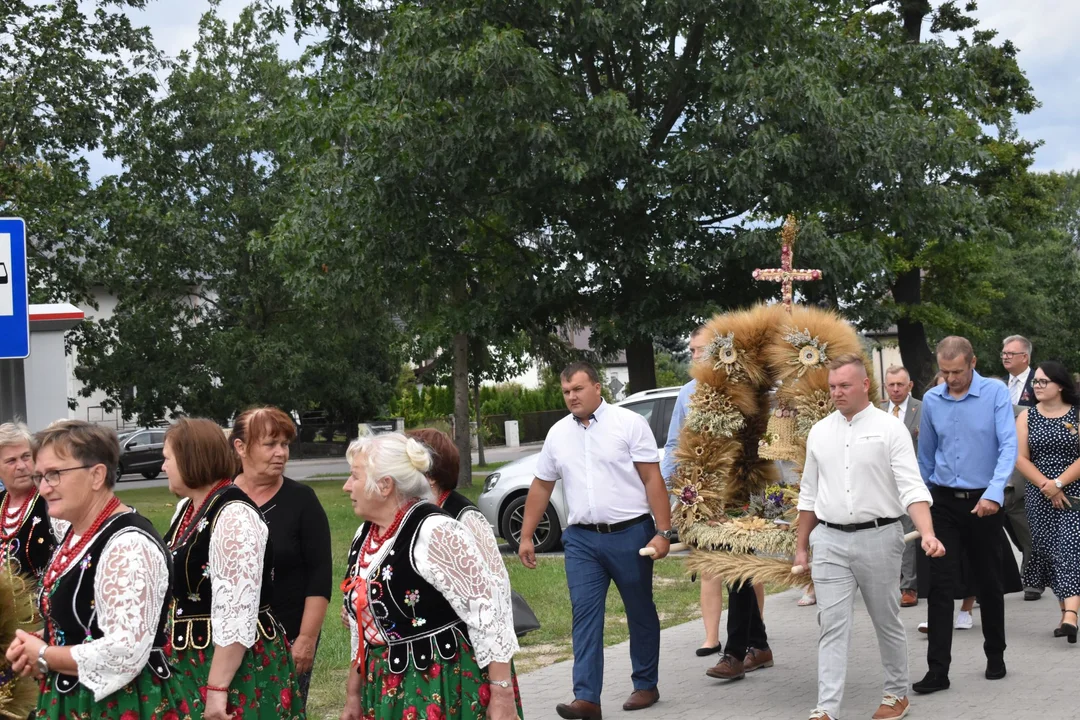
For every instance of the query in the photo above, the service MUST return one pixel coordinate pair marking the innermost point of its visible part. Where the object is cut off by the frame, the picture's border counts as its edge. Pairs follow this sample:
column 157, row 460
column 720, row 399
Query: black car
column 142, row 451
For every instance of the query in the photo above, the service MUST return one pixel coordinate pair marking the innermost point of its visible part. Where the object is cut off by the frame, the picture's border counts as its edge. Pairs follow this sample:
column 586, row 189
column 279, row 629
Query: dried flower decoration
column 724, row 355
column 811, row 408
column 712, row 412
column 811, row 350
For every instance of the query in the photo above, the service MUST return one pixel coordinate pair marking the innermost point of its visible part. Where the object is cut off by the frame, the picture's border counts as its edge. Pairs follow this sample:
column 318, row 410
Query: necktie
column 896, row 411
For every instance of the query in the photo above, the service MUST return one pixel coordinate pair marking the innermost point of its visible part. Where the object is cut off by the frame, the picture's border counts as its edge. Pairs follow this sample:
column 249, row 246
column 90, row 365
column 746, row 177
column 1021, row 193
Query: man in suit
column 1016, row 358
column 900, row 404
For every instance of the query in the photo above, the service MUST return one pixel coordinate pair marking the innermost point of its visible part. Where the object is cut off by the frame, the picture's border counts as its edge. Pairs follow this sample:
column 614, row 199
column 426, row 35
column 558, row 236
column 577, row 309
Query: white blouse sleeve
column 447, row 556
column 129, row 590
column 477, row 524
column 237, row 548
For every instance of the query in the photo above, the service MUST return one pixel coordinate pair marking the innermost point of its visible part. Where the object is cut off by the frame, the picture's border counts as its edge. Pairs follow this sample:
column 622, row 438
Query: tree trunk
column 479, row 426
column 641, row 365
column 914, row 349
column 461, row 408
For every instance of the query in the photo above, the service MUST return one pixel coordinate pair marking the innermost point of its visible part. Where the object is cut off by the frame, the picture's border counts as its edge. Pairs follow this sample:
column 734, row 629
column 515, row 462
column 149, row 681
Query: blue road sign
column 14, row 291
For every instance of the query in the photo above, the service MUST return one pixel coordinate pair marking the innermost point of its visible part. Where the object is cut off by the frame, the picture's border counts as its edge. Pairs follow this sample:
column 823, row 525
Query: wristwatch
column 1058, row 485
column 666, row 534
column 501, row 683
column 42, row 663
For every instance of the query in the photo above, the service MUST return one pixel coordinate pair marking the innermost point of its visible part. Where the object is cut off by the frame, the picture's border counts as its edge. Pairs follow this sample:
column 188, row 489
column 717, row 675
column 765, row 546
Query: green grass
column 544, row 589
column 488, row 467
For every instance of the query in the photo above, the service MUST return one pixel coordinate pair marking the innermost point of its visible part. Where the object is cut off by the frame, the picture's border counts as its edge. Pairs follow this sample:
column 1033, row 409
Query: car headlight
column 490, row 481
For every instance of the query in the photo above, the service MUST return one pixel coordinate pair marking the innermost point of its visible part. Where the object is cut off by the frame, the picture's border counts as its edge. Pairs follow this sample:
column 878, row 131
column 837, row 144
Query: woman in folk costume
column 104, row 596
column 432, row 626
column 28, row 535
column 224, row 637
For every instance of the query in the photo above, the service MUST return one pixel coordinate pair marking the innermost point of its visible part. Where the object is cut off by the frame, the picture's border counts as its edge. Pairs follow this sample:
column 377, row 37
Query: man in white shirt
column 860, row 477
column 607, row 459
column 901, row 405
column 1016, row 357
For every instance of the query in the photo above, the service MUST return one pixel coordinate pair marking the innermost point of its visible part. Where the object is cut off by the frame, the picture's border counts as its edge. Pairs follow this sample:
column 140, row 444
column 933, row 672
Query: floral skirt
column 264, row 685
column 455, row 690
column 147, row 697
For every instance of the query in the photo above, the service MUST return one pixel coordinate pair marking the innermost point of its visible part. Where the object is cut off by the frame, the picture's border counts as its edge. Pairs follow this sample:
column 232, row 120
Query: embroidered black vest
column 29, row 551
column 413, row 616
column 72, row 612
column 457, row 505
column 191, row 587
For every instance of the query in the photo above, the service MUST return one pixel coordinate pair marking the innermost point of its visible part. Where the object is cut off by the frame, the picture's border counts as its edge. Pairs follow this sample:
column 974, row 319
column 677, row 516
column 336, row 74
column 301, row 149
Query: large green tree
column 71, row 72
column 204, row 322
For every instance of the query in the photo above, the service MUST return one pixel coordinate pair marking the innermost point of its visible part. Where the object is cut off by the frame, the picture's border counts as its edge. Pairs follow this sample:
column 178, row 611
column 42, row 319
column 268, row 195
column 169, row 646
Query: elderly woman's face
column 72, row 493
column 356, row 488
column 16, row 467
column 265, row 456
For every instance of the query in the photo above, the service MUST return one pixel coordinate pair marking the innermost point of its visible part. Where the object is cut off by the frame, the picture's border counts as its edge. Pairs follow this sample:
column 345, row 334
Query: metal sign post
column 14, row 291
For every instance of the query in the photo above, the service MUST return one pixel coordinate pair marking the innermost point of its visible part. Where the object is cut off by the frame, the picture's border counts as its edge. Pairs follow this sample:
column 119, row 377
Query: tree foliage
column 204, row 322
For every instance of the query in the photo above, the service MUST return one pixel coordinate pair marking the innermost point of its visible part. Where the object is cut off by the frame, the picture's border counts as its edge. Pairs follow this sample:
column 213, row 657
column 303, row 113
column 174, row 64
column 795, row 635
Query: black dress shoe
column 1032, row 595
column 931, row 683
column 995, row 668
column 706, row 651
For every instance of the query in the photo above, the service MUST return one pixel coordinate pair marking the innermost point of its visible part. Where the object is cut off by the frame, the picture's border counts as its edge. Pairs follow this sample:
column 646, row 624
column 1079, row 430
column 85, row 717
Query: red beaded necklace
column 442, row 498
column 375, row 539
column 190, row 512
column 66, row 554
column 5, row 536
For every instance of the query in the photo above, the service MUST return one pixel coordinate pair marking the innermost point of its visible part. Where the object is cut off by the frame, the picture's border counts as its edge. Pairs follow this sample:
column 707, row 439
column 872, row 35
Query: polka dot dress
column 1055, row 534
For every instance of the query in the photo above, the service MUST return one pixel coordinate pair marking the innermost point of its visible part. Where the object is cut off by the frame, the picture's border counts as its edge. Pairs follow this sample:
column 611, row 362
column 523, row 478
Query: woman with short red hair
column 299, row 531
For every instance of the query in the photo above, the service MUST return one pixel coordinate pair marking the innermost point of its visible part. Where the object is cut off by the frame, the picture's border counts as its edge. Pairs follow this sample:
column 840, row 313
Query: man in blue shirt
column 747, row 640
column 967, row 450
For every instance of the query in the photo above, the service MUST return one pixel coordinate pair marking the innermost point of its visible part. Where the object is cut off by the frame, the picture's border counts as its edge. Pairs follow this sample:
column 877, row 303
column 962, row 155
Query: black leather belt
column 880, row 522
column 960, row 494
column 604, row 528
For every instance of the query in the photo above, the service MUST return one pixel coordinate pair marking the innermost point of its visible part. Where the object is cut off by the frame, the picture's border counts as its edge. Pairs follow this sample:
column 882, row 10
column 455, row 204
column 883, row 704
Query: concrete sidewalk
column 1041, row 680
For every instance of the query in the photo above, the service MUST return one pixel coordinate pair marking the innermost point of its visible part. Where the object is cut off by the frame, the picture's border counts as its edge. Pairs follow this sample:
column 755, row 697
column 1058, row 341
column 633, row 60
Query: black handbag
column 524, row 618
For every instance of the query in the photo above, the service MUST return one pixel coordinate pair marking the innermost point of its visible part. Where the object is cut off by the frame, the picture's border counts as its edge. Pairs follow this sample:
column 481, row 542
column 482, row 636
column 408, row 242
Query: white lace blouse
column 237, row 548
column 469, row 574
column 130, row 586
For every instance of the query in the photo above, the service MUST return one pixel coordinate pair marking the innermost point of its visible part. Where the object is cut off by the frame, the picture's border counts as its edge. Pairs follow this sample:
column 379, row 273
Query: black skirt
column 967, row 587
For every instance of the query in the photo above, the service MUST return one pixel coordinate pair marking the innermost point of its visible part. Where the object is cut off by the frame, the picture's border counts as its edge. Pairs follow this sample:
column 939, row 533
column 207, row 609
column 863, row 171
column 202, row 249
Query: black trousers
column 745, row 628
column 961, row 531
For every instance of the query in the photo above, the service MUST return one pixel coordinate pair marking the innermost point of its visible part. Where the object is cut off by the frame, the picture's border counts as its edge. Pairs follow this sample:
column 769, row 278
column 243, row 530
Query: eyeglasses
column 53, row 476
column 1041, row 382
column 1011, row 355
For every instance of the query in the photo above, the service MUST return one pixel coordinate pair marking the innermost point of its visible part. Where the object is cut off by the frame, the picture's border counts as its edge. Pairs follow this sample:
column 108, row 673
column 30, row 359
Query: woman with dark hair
column 1049, row 457
column 299, row 531
column 224, row 635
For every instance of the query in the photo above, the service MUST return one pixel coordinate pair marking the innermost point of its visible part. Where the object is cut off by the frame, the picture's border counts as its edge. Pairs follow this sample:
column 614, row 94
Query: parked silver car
column 503, row 498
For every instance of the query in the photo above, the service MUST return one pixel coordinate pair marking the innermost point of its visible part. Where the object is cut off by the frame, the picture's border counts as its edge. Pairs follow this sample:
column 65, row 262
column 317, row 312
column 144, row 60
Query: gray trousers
column 867, row 561
column 1016, row 526
column 908, row 578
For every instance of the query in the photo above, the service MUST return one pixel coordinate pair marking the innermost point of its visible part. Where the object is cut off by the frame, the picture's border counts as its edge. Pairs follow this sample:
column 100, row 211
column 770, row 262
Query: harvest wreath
column 761, row 385
column 18, row 694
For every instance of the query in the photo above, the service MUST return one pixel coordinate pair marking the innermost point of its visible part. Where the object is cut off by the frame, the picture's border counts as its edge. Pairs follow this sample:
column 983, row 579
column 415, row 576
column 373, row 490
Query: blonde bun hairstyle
column 400, row 458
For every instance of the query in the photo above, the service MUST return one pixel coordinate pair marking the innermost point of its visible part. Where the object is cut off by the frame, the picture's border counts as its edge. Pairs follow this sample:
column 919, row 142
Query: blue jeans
column 593, row 560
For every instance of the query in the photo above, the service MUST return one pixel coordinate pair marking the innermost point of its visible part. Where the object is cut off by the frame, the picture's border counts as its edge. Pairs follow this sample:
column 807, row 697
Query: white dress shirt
column 903, row 408
column 596, row 464
column 1016, row 385
column 860, row 470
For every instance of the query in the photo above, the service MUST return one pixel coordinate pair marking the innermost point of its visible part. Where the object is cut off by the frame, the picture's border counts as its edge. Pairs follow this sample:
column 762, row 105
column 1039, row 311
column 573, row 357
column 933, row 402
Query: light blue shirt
column 968, row 443
column 678, row 416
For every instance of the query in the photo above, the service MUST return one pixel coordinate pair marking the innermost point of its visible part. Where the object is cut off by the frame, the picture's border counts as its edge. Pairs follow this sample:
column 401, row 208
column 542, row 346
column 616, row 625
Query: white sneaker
column 964, row 621
column 924, row 627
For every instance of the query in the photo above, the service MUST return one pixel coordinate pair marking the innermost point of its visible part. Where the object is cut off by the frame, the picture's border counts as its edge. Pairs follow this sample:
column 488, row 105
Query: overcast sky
column 1045, row 32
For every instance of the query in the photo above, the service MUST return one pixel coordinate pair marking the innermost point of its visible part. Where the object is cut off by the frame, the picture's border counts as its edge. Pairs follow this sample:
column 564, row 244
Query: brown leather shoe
column 579, row 710
column 892, row 708
column 908, row 598
column 756, row 659
column 729, row 668
column 641, row 699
